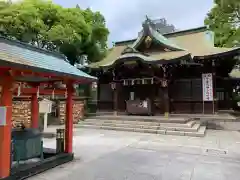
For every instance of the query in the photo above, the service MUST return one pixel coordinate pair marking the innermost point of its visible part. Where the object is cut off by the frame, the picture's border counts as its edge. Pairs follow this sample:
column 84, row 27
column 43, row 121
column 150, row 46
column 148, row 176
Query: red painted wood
column 69, row 120
column 50, row 76
column 34, row 111
column 5, row 131
column 29, row 91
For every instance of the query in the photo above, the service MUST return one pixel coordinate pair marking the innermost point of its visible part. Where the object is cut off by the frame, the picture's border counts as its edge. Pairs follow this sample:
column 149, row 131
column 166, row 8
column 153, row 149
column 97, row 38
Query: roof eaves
column 33, row 48
column 235, row 51
column 43, row 70
column 188, row 31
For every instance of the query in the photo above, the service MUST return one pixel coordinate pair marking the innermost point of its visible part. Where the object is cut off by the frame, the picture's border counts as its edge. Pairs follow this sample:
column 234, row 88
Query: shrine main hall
column 166, row 72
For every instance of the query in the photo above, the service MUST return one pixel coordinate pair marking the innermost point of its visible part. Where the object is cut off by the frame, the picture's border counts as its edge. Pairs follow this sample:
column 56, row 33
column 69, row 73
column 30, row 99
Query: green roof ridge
column 149, row 30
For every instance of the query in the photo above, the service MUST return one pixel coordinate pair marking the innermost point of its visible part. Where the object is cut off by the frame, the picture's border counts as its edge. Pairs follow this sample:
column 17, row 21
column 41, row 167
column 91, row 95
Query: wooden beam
column 34, row 109
column 30, row 91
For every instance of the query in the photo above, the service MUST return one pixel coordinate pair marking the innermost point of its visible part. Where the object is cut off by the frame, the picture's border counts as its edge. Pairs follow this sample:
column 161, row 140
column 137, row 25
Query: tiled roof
column 190, row 42
column 14, row 53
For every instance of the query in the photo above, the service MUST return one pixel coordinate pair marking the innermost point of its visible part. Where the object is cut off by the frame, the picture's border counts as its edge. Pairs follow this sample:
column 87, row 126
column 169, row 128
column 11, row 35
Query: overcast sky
column 124, row 17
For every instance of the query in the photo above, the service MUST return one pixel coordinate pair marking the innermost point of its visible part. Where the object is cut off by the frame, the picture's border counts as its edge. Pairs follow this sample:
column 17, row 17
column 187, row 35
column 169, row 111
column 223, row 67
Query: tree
column 71, row 31
column 224, row 21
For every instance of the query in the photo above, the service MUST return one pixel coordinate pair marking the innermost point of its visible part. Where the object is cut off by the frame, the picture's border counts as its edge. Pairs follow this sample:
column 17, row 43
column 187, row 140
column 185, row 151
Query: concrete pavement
column 115, row 155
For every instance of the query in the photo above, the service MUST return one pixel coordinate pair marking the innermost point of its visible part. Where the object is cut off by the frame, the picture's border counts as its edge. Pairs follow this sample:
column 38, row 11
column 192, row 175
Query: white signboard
column 3, row 111
column 45, row 106
column 207, row 87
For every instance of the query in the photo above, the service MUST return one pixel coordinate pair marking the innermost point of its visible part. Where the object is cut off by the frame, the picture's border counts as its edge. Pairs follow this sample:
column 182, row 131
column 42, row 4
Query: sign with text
column 45, row 106
column 3, row 111
column 207, row 87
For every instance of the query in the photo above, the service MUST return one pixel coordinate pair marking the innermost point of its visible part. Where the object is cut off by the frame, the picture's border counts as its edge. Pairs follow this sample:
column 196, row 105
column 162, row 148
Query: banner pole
column 213, row 107
column 213, row 94
column 203, row 108
column 203, row 94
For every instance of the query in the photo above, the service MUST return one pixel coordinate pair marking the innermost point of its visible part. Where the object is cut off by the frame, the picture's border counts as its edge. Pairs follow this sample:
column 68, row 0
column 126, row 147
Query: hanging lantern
column 66, row 93
column 152, row 81
column 19, row 90
column 38, row 92
column 53, row 93
column 113, row 85
column 94, row 85
column 164, row 83
column 132, row 82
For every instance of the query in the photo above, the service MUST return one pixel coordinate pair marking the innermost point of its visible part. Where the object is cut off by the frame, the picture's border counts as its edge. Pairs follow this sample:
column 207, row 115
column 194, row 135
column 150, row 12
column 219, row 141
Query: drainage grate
column 216, row 152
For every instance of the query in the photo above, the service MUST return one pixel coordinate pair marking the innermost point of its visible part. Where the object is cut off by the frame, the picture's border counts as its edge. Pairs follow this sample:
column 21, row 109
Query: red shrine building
column 157, row 73
column 36, row 68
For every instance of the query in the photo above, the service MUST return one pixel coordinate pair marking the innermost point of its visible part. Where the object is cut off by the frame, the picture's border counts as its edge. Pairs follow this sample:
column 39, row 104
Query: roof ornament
column 148, row 21
column 148, row 41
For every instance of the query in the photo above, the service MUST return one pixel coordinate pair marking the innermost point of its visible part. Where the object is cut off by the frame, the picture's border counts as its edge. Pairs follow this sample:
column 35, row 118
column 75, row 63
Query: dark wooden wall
column 105, row 97
column 186, row 97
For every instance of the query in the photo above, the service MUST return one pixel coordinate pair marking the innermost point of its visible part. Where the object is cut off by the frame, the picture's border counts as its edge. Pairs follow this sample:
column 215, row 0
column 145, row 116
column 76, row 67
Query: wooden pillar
column 214, row 86
column 115, row 102
column 115, row 98
column 165, row 92
column 166, row 100
column 69, row 119
column 34, row 111
column 5, row 131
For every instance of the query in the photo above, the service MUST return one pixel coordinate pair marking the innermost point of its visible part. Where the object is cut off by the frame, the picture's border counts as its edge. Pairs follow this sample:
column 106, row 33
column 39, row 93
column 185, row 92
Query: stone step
column 141, row 123
column 119, row 124
column 194, row 128
column 142, row 118
column 187, row 124
column 191, row 126
column 147, row 119
column 199, row 133
column 100, row 121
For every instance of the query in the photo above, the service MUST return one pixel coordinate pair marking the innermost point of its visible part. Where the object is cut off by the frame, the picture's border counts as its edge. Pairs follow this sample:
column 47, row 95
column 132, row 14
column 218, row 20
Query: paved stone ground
column 114, row 155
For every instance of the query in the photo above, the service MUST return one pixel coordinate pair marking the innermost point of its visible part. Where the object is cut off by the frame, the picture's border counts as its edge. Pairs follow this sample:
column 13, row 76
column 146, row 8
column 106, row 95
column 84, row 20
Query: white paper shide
column 207, row 86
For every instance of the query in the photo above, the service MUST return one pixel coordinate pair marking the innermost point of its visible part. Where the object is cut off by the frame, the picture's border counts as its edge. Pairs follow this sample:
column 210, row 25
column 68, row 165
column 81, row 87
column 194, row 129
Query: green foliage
column 224, row 21
column 72, row 31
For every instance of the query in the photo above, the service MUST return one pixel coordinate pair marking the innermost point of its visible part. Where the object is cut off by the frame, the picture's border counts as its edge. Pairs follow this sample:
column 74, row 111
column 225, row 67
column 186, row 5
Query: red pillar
column 69, row 119
column 34, row 111
column 5, row 131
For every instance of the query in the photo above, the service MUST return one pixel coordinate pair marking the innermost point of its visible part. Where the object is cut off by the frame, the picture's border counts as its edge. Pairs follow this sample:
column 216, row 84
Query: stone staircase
column 146, row 124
